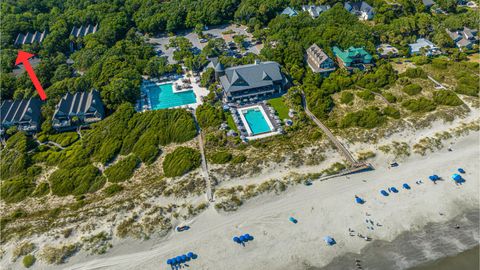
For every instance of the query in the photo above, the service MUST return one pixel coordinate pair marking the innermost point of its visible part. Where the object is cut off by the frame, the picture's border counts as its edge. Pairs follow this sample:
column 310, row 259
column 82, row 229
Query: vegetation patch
column 113, row 189
column 367, row 118
column 220, row 157
column 181, row 161
column 58, row 255
column 76, row 181
column 347, row 97
column 122, row 170
column 280, row 108
column 28, row 260
column 209, row 116
column 445, row 97
column 419, row 105
column 412, row 89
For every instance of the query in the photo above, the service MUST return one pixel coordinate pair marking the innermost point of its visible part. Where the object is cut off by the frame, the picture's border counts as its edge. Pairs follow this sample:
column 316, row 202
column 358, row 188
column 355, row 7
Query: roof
column 422, row 43
column 314, row 10
column 251, row 76
column 352, row 53
column 385, row 49
column 22, row 110
column 79, row 103
column 358, row 6
column 428, row 3
column 319, row 54
column 30, row 38
column 290, row 12
column 83, row 30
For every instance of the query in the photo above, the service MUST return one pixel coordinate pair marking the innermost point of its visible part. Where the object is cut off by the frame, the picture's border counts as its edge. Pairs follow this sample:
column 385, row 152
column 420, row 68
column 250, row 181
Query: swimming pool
column 256, row 121
column 163, row 97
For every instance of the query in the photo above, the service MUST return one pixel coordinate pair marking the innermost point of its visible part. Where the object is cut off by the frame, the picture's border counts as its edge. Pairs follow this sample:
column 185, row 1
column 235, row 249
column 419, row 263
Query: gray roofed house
column 464, row 38
column 253, row 82
column 314, row 10
column 83, row 30
column 362, row 10
column 25, row 114
column 424, row 45
column 319, row 61
column 387, row 50
column 428, row 3
column 87, row 107
column 289, row 11
column 30, row 38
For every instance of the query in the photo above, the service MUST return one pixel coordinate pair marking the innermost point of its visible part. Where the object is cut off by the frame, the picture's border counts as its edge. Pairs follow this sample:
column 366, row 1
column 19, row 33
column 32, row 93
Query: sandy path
column 326, row 208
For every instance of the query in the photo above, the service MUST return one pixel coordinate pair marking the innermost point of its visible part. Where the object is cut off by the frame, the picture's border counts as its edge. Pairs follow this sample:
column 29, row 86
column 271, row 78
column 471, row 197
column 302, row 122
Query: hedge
column 181, row 161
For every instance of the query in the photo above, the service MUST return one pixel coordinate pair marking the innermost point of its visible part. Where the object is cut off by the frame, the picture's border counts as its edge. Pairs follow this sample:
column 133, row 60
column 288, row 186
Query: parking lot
column 160, row 42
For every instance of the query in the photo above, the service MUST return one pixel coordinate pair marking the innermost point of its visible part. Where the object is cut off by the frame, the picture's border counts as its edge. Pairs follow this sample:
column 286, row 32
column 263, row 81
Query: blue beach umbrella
column 329, row 240
column 293, row 220
column 185, row 258
column 460, row 170
column 242, row 238
column 169, row 261
column 190, row 255
column 457, row 177
column 384, row 193
column 174, row 261
column 236, row 240
column 434, row 177
column 179, row 259
column 248, row 236
column 359, row 200
column 394, row 190
column 406, row 186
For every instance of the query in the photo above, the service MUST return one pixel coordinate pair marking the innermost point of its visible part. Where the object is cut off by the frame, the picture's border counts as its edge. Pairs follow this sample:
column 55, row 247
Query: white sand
column 326, row 208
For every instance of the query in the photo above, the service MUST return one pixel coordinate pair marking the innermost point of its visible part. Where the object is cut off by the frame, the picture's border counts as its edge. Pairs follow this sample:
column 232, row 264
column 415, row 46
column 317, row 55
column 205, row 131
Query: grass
column 231, row 123
column 280, row 107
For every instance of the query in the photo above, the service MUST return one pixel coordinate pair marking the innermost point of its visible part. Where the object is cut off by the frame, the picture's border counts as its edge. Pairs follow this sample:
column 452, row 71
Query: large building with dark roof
column 25, row 114
column 77, row 109
column 319, row 61
column 249, row 83
column 352, row 58
column 30, row 38
column 362, row 10
column 83, row 30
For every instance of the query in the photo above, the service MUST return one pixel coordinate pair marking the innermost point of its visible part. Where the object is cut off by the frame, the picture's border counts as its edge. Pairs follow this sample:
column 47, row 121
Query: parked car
column 183, row 228
column 203, row 40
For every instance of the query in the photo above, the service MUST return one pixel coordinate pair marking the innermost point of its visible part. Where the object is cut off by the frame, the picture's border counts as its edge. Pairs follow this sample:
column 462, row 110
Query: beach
column 327, row 208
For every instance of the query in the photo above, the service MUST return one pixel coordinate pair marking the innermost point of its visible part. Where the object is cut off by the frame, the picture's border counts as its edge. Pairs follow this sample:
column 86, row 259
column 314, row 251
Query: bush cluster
column 412, row 89
column 181, row 161
column 445, row 97
column 220, row 157
column 122, row 170
column 76, row 181
column 419, row 105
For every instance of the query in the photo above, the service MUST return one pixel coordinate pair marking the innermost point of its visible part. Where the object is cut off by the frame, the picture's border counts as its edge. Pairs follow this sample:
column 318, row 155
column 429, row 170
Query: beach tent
column 292, row 219
column 384, row 193
column 460, row 170
column 237, row 240
column 329, row 240
column 434, row 177
column 394, row 190
column 406, row 186
column 457, row 178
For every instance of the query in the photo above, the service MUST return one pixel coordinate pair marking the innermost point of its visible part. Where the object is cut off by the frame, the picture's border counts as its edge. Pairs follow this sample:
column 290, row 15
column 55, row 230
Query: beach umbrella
column 185, row 258
column 329, row 240
column 293, row 220
column 457, row 177
column 236, row 240
column 460, row 170
column 384, row 193
column 190, row 255
column 174, row 261
column 359, row 200
column 242, row 238
column 394, row 190
column 249, row 237
column 406, row 186
column 179, row 259
column 434, row 177
column 169, row 261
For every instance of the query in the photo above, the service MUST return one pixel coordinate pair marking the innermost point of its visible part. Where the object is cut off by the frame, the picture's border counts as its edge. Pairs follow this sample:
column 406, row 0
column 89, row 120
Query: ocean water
column 437, row 243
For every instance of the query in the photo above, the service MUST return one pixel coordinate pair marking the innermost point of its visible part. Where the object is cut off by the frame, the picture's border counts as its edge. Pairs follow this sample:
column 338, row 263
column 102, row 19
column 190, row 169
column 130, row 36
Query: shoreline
column 417, row 250
column 325, row 208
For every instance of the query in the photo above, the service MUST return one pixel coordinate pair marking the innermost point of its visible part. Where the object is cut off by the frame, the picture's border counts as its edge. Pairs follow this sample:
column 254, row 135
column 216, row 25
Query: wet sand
column 438, row 246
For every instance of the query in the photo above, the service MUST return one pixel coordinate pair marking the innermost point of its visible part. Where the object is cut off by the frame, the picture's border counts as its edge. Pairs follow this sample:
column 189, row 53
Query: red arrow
column 22, row 58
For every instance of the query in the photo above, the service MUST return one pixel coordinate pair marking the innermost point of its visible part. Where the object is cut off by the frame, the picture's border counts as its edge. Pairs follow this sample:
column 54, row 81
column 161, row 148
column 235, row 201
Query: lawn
column 230, row 122
column 279, row 106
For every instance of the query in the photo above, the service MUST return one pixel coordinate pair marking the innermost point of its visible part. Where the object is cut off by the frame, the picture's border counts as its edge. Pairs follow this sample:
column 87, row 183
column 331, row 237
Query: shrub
column 181, row 161
column 346, row 97
column 28, row 260
column 64, row 139
column 391, row 112
column 444, row 97
column 439, row 63
column 112, row 189
column 389, row 97
column 14, row 156
column 122, row 170
column 239, row 159
column 220, row 157
column 76, row 181
column 419, row 105
column 415, row 73
column 41, row 190
column 412, row 89
column 209, row 116
column 58, row 255
column 366, row 95
column 367, row 118
column 467, row 85
column 16, row 188
column 22, row 250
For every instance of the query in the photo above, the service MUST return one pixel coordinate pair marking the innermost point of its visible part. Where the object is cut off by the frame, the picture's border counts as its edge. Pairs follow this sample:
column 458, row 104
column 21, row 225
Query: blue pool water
column 162, row 97
column 257, row 123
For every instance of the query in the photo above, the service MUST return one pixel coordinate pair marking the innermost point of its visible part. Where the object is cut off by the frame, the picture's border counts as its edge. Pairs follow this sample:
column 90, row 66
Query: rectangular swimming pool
column 163, row 97
column 256, row 121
